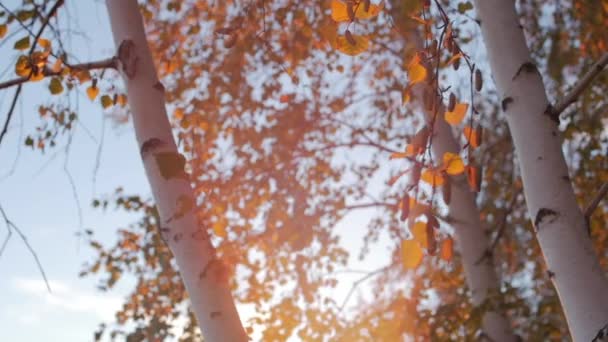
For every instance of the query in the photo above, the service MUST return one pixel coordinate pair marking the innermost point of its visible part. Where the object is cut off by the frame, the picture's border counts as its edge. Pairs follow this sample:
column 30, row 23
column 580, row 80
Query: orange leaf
column 433, row 177
column 417, row 208
column 474, row 177
column 411, row 254
column 361, row 43
column 92, row 92
column 339, row 11
column 410, row 151
column 418, row 231
column 452, row 164
column 447, row 249
column 416, row 71
column 454, row 58
column 455, row 117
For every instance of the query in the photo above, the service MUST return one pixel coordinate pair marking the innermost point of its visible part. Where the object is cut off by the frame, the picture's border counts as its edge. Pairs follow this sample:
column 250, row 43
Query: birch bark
column 559, row 223
column 204, row 276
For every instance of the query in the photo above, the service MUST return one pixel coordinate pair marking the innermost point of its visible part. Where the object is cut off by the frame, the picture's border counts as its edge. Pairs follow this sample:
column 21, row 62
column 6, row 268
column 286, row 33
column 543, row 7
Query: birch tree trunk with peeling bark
column 558, row 222
column 204, row 276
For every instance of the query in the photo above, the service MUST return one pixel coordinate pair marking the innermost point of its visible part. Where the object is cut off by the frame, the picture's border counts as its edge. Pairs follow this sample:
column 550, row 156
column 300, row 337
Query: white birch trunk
column 470, row 237
column 559, row 224
column 471, row 240
column 204, row 276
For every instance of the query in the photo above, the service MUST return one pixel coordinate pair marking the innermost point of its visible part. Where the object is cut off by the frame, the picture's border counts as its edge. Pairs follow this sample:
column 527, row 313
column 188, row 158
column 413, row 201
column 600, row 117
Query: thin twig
column 11, row 226
column 361, row 280
column 578, row 89
column 9, row 116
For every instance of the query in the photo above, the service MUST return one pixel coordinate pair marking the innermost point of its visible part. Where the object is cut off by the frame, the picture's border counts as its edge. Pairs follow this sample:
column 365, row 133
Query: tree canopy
column 294, row 115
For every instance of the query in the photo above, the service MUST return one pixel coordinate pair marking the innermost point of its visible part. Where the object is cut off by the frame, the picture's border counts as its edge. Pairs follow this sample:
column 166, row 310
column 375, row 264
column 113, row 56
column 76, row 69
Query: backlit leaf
column 416, row 71
column 361, row 43
column 3, row 30
column 452, row 164
column 455, row 117
column 92, row 92
column 433, row 177
column 411, row 254
column 419, row 233
column 340, row 12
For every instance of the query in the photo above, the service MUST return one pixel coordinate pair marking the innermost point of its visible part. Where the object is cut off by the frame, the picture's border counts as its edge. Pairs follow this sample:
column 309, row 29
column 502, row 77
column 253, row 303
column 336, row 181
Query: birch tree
column 560, row 225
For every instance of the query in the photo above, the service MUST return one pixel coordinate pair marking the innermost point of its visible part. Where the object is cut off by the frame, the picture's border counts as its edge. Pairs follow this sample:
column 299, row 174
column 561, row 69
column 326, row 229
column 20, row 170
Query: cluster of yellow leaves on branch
column 347, row 12
column 35, row 66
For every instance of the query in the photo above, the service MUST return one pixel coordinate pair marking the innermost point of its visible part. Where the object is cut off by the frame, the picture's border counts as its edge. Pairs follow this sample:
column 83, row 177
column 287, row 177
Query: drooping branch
column 108, row 63
column 583, row 84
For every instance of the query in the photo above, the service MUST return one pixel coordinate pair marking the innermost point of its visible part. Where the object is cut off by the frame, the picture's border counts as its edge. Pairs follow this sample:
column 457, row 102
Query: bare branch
column 360, row 281
column 578, row 89
column 11, row 226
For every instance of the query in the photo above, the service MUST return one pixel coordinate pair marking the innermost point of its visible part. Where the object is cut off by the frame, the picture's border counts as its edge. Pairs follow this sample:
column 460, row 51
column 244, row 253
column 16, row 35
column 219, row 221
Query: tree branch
column 578, row 89
column 109, row 63
column 596, row 200
column 11, row 226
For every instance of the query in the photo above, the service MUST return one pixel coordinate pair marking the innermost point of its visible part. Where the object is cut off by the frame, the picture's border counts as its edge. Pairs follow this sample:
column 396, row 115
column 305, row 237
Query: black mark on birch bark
column 550, row 112
column 544, row 215
column 506, row 102
column 127, row 57
column 150, row 145
column 527, row 67
column 159, row 86
column 550, row 274
column 215, row 314
column 171, row 165
column 177, row 237
column 603, row 332
column 200, row 235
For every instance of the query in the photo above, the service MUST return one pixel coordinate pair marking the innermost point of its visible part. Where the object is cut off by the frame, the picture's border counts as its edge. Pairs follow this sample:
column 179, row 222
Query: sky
column 37, row 195
column 48, row 195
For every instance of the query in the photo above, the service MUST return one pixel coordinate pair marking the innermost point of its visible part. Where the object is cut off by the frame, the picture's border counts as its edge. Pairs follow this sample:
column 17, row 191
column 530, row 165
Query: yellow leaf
column 106, row 101
column 433, row 177
column 455, row 117
column 419, row 233
column 219, row 229
column 23, row 67
column 37, row 75
column 55, row 86
column 23, row 43
column 411, row 254
column 3, row 30
column 447, row 249
column 122, row 100
column 92, row 92
column 361, row 43
column 339, row 11
column 45, row 44
column 452, row 164
column 410, row 151
column 454, row 59
column 178, row 113
column 416, row 71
